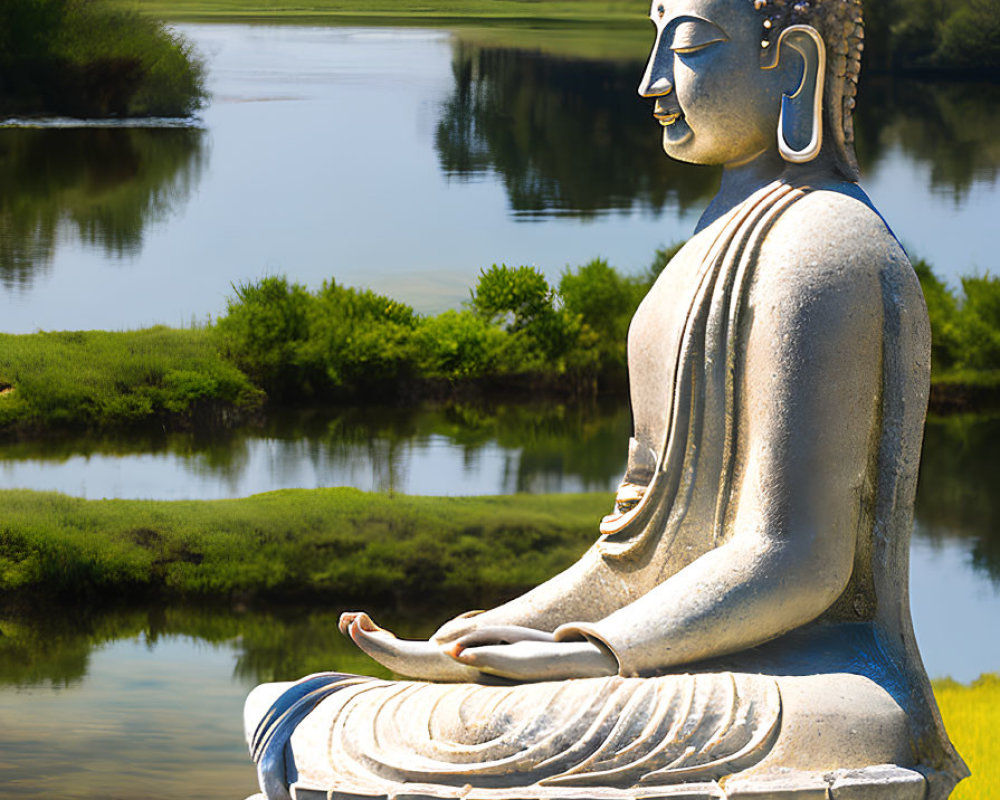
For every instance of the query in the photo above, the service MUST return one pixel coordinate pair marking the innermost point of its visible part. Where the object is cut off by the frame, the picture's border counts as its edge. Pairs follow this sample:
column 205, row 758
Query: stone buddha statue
column 740, row 628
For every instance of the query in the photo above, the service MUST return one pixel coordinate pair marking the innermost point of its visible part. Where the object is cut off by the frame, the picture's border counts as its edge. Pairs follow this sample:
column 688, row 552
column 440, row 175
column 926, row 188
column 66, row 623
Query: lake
column 406, row 161
column 403, row 160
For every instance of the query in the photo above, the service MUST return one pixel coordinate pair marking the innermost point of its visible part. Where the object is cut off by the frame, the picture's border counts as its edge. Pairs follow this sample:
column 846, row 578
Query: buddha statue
column 740, row 627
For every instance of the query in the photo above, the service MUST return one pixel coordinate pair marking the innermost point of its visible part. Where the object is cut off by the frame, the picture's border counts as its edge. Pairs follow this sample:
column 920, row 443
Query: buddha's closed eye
column 691, row 35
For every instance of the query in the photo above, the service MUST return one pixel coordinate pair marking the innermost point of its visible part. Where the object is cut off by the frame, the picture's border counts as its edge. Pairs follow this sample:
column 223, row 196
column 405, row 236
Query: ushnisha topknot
column 841, row 24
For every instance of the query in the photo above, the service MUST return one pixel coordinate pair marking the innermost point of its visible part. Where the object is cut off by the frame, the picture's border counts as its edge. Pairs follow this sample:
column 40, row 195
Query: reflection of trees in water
column 569, row 135
column 104, row 184
column 949, row 126
column 282, row 644
column 565, row 135
column 959, row 491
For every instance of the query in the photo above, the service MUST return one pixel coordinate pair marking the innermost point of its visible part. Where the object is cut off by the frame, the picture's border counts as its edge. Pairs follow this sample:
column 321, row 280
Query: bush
column 298, row 345
column 965, row 328
column 459, row 344
column 979, row 323
column 90, row 58
column 520, row 299
column 265, row 326
column 604, row 302
column 359, row 338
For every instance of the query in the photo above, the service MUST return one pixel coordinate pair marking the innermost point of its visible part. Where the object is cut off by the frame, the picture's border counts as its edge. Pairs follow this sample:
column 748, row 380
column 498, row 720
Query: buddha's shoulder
column 832, row 241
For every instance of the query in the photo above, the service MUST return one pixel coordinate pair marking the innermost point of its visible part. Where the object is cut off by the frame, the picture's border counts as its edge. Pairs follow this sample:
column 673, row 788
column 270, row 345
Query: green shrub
column 520, row 299
column 359, row 338
column 266, row 327
column 94, row 58
column 978, row 323
column 604, row 301
column 942, row 308
column 459, row 344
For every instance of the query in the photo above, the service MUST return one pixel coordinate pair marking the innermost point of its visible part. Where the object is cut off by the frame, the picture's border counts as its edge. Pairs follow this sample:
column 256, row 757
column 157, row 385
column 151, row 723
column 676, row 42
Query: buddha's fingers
column 415, row 659
column 541, row 660
column 500, row 634
column 461, row 625
column 344, row 623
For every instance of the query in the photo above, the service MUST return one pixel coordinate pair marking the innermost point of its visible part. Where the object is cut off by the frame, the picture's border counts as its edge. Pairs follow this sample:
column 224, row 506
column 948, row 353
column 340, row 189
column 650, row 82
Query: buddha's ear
column 800, row 125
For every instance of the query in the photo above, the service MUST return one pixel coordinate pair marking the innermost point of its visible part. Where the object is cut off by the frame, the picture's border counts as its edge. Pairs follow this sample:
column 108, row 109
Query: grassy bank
column 94, row 58
column 338, row 545
column 972, row 717
column 901, row 35
column 100, row 379
column 518, row 337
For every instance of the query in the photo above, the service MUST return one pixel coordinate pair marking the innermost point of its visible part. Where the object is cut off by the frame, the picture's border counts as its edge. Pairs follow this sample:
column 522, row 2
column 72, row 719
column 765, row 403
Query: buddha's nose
column 658, row 78
column 657, row 88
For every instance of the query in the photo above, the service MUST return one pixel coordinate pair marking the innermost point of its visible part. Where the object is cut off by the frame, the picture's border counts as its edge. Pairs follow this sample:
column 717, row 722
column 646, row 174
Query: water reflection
column 460, row 450
column 949, row 126
column 568, row 136
column 453, row 450
column 101, row 185
column 958, row 495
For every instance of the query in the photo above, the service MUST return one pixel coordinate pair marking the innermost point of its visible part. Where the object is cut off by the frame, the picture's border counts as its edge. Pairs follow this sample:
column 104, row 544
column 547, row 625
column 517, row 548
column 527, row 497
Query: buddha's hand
column 529, row 655
column 418, row 659
column 456, row 628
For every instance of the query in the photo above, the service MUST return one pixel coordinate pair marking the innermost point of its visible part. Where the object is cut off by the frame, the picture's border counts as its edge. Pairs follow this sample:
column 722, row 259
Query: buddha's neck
column 739, row 181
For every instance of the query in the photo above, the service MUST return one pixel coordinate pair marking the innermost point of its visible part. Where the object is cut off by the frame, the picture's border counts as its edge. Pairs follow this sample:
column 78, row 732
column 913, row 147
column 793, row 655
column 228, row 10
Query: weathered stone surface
column 786, row 785
column 880, row 782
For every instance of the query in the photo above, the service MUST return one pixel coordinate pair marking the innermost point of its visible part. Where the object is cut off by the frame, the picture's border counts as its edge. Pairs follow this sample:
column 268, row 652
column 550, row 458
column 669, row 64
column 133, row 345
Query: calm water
column 406, row 160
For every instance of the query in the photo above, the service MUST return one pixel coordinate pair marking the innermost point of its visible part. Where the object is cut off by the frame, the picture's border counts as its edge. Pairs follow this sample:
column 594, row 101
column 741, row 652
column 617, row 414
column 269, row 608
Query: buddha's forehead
column 724, row 13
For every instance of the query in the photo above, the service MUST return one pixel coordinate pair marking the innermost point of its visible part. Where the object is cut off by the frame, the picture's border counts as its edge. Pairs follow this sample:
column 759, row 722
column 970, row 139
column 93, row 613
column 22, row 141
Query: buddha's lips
column 668, row 119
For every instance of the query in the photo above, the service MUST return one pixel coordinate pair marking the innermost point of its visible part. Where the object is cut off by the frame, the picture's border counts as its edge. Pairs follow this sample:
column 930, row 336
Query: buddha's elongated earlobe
column 800, row 124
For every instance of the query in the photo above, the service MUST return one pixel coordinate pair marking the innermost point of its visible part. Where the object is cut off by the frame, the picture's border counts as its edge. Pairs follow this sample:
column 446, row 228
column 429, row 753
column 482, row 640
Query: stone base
column 881, row 782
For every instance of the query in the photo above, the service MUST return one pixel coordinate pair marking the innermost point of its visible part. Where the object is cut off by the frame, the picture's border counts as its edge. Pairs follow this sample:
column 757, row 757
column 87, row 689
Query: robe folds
column 649, row 733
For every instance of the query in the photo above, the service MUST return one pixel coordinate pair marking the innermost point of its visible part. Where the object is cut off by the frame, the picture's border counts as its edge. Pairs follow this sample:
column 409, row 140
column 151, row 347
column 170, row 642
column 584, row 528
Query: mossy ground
column 340, row 545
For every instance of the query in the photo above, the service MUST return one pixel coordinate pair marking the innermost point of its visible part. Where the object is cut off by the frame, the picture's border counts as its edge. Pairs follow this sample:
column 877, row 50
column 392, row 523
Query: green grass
column 900, row 34
column 972, row 716
column 101, row 379
column 337, row 544
column 398, row 13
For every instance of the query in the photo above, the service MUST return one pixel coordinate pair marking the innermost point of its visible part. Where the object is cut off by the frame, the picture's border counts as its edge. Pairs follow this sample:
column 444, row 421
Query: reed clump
column 94, row 58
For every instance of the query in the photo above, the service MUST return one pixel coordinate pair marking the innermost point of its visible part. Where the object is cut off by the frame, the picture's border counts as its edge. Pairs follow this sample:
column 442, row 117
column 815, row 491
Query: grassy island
column 339, row 545
column 280, row 344
column 94, row 58
column 902, row 35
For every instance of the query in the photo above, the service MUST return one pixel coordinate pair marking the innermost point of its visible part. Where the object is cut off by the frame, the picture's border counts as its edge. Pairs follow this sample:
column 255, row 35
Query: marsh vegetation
column 94, row 58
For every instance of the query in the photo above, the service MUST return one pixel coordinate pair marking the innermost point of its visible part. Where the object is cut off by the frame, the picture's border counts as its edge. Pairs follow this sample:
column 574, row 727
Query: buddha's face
column 715, row 102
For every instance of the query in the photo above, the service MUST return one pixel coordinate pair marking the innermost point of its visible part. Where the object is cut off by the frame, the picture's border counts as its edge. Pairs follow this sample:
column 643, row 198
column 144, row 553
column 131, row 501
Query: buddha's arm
column 808, row 403
column 808, row 411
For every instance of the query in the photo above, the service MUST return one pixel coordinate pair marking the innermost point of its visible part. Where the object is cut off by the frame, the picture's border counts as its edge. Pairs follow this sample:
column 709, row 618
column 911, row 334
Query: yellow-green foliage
column 102, row 379
column 972, row 716
column 339, row 543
